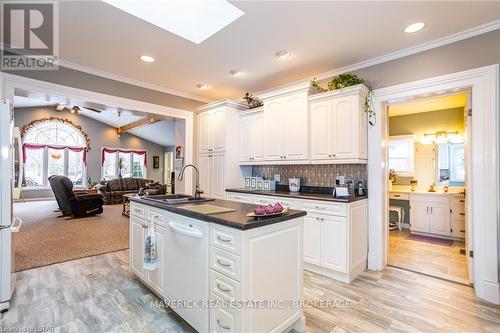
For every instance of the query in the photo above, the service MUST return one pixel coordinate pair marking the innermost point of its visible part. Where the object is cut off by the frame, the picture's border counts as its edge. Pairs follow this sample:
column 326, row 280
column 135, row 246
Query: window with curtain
column 54, row 147
column 401, row 154
column 123, row 162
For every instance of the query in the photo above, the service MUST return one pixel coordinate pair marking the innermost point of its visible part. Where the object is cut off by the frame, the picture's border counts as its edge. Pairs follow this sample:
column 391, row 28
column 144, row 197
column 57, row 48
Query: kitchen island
column 220, row 270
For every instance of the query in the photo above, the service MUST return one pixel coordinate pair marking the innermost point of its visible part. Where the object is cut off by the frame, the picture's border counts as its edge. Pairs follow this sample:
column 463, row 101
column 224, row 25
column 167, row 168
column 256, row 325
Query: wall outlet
column 277, row 177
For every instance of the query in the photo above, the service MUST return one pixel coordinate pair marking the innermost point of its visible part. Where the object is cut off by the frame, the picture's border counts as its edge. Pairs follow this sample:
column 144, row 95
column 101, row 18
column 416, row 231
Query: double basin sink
column 172, row 199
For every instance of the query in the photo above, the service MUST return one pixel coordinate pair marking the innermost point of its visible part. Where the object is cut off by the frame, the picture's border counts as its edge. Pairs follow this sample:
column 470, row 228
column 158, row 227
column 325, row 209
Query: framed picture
column 156, row 162
column 178, row 152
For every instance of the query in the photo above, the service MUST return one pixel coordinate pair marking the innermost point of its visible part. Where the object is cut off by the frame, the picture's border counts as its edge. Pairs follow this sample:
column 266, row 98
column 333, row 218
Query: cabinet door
column 296, row 135
column 440, row 219
column 217, row 176
column 204, row 132
column 137, row 237
column 345, row 127
column 458, row 227
column 334, row 243
column 205, row 174
column 257, row 143
column 419, row 216
column 246, row 137
column 425, row 169
column 218, row 130
column 274, row 120
column 156, row 278
column 321, row 132
column 312, row 239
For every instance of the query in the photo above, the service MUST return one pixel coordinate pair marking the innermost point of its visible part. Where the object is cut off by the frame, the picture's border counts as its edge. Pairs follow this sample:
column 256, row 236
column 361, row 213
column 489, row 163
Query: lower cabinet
column 335, row 234
column 437, row 215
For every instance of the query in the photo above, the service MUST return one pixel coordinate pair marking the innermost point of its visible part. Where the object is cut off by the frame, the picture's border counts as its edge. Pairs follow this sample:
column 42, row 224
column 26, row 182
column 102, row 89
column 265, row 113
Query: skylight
column 194, row 20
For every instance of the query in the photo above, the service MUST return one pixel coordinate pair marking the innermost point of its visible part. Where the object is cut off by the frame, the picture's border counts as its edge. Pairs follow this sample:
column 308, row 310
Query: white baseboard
column 490, row 291
column 35, row 199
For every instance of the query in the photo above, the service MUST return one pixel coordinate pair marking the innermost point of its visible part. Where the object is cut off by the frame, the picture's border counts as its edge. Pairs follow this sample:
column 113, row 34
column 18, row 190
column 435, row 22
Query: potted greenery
column 348, row 80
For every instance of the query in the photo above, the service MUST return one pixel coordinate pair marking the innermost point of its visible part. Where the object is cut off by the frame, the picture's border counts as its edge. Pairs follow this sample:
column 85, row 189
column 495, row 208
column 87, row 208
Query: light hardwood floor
column 434, row 259
column 99, row 294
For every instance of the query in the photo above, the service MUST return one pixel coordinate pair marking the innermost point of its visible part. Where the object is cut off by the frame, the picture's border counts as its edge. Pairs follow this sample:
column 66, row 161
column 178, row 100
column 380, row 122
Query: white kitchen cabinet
column 211, row 129
column 338, row 127
column 211, row 168
column 251, row 132
column 312, row 239
column 286, row 128
column 219, row 147
column 156, row 278
column 137, row 237
column 138, row 233
column 334, row 243
column 335, row 234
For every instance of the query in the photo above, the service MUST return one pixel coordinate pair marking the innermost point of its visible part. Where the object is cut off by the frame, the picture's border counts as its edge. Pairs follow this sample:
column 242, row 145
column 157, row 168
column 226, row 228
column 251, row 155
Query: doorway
column 427, row 186
column 483, row 138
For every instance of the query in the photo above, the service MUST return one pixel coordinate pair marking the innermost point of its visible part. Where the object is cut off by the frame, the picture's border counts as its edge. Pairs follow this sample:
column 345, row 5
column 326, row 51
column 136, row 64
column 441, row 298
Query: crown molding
column 472, row 32
column 134, row 82
column 224, row 103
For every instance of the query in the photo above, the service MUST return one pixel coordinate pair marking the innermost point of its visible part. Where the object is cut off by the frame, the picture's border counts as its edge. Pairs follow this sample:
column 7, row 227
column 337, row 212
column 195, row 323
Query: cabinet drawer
column 399, row 196
column 239, row 197
column 224, row 286
column 333, row 208
column 157, row 216
column 225, row 263
column 226, row 238
column 138, row 210
column 224, row 319
column 457, row 200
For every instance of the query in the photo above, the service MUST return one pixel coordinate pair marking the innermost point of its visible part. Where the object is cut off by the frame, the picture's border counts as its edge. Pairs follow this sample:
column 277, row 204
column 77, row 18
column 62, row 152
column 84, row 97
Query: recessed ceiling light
column 147, row 58
column 283, row 54
column 192, row 20
column 202, row 86
column 414, row 27
column 236, row 72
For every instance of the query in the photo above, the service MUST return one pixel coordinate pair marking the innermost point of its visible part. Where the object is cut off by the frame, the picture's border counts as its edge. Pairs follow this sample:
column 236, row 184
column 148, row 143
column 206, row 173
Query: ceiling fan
column 75, row 108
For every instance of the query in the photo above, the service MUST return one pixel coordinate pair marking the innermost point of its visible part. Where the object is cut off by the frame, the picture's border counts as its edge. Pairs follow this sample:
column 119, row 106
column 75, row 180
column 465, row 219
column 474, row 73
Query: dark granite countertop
column 235, row 219
column 298, row 195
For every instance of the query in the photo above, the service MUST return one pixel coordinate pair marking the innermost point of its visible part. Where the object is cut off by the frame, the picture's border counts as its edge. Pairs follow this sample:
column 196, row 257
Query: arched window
column 54, row 147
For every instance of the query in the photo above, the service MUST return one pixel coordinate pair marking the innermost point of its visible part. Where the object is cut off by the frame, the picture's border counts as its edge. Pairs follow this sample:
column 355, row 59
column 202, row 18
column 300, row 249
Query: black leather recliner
column 71, row 204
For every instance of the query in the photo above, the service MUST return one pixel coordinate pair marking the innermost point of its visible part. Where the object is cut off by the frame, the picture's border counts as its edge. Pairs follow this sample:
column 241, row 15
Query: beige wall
column 449, row 120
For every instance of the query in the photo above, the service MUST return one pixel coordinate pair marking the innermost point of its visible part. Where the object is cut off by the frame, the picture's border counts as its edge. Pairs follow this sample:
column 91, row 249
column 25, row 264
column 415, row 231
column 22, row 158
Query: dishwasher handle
column 177, row 227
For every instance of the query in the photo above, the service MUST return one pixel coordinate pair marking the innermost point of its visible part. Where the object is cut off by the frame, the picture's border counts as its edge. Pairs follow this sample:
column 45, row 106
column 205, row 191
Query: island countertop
column 234, row 219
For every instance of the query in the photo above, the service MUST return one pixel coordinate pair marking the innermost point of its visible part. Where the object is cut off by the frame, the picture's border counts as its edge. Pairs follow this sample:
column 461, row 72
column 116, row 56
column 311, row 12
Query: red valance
column 125, row 151
column 42, row 146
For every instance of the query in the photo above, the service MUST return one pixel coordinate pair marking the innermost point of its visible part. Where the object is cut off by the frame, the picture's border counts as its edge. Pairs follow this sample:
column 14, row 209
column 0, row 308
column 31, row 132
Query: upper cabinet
column 251, row 131
column 338, row 128
column 285, row 134
column 211, row 131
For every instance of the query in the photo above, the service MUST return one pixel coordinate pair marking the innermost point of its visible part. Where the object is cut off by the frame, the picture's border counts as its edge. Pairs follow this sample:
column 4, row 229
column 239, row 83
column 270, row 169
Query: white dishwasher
column 186, row 278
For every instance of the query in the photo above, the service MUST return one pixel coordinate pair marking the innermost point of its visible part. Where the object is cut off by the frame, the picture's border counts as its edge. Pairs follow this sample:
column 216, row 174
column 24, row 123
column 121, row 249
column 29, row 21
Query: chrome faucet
column 197, row 192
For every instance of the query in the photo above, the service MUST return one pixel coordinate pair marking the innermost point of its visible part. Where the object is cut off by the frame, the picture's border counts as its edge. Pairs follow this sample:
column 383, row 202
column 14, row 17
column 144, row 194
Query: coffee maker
column 360, row 191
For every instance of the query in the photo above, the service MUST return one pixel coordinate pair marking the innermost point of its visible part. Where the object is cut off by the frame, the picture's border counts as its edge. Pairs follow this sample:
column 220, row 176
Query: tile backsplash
column 313, row 174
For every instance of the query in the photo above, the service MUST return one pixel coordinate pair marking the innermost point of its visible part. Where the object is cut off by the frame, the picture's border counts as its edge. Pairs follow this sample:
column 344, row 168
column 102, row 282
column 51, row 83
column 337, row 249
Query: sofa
column 112, row 191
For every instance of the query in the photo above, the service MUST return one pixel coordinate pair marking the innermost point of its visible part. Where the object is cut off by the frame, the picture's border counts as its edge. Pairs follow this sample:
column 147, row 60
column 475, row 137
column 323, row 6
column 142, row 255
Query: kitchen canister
column 294, row 184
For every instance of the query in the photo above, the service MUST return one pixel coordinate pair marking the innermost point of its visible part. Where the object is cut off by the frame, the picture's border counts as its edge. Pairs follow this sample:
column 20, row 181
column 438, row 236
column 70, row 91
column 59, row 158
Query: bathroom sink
column 172, row 199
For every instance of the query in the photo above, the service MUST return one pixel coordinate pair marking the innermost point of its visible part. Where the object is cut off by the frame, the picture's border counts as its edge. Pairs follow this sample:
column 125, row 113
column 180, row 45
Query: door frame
column 483, row 214
column 10, row 82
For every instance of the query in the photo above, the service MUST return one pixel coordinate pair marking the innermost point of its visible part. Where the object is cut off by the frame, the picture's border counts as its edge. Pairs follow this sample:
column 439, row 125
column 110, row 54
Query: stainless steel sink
column 172, row 199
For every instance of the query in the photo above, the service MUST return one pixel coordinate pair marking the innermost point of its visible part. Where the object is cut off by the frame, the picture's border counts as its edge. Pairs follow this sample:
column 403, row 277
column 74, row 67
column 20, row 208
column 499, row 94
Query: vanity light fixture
column 147, row 58
column 202, row 86
column 414, row 27
column 283, row 54
column 442, row 137
column 236, row 72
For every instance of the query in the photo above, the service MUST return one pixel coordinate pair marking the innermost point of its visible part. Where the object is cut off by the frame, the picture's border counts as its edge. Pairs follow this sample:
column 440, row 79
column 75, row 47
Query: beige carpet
column 45, row 239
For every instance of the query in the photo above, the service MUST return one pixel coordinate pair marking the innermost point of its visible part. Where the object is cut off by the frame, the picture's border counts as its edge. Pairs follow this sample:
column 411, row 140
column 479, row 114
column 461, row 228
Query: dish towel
column 150, row 259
